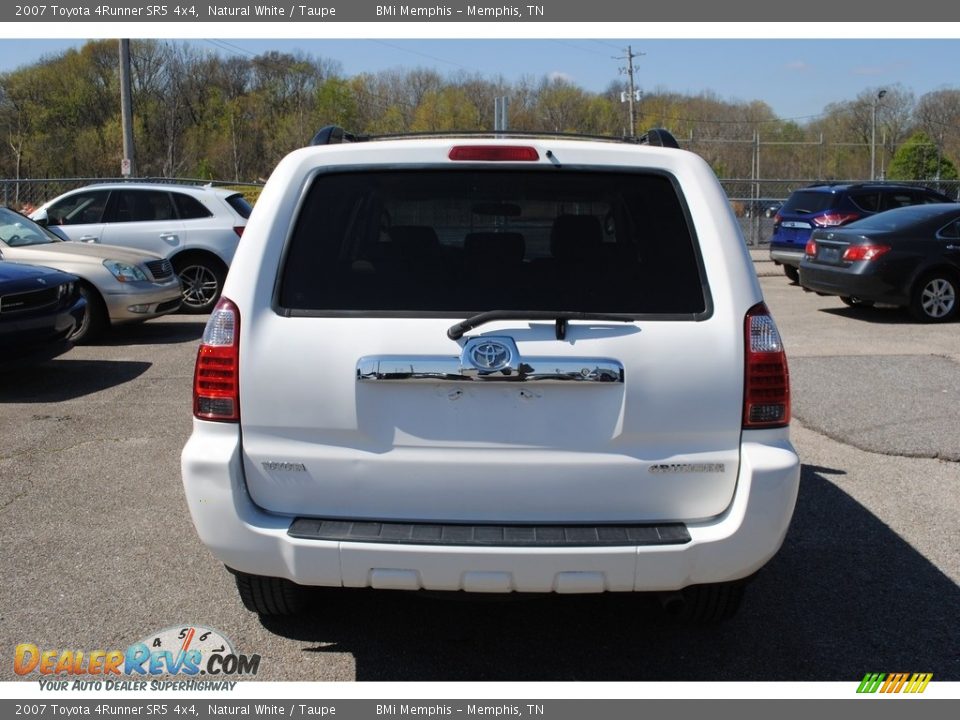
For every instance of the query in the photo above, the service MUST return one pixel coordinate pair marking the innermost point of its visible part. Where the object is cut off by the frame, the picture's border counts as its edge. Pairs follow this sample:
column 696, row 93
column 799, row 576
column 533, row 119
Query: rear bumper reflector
column 489, row 535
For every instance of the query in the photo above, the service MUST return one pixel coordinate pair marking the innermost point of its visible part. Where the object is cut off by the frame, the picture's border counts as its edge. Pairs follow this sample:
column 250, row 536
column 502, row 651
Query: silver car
column 120, row 285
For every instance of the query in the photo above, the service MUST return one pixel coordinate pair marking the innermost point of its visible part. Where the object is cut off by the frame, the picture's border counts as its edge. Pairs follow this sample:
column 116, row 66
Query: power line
column 422, row 54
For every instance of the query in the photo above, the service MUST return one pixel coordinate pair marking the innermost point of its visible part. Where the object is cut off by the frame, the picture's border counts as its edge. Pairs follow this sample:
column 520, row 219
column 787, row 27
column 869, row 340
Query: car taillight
column 495, row 153
column 864, row 252
column 216, row 377
column 832, row 219
column 777, row 219
column 766, row 389
column 811, row 249
column 238, row 229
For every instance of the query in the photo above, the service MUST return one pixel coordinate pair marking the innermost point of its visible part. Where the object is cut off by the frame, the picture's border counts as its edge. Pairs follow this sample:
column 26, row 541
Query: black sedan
column 908, row 257
column 39, row 310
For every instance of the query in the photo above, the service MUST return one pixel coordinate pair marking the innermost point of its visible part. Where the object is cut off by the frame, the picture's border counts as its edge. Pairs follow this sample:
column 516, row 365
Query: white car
column 119, row 285
column 197, row 228
column 492, row 364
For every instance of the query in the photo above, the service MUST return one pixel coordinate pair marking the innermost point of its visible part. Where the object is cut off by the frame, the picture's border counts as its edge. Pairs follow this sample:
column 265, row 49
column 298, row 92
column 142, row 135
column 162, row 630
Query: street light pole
column 873, row 136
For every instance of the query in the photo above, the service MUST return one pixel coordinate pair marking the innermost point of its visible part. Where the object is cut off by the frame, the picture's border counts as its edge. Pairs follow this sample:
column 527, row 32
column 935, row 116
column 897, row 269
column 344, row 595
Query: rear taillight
column 864, row 252
column 811, row 249
column 216, row 377
column 777, row 219
column 766, row 389
column 494, row 153
column 832, row 219
column 238, row 229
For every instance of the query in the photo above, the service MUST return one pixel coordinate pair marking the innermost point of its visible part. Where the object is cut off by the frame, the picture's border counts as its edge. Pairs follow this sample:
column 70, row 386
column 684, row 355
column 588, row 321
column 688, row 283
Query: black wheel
column 707, row 604
column 95, row 319
column 934, row 297
column 201, row 281
column 854, row 301
column 270, row 595
column 792, row 273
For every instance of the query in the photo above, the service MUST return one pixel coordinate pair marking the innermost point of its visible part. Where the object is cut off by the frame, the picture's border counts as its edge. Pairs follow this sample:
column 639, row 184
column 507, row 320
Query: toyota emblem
column 490, row 355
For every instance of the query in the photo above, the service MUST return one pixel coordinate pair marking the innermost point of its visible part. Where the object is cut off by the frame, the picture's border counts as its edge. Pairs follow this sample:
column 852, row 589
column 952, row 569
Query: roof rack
column 335, row 135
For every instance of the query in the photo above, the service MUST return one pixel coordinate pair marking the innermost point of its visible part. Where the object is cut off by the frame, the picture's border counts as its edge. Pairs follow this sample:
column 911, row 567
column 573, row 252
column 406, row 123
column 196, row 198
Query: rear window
column 466, row 241
column 900, row 218
column 239, row 203
column 804, row 202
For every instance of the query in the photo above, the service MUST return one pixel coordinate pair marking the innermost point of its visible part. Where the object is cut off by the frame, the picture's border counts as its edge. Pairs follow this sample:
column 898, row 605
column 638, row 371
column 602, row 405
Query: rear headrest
column 576, row 237
column 415, row 242
column 494, row 249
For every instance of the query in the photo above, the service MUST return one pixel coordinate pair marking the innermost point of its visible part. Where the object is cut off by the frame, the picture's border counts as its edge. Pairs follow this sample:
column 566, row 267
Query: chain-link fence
column 755, row 202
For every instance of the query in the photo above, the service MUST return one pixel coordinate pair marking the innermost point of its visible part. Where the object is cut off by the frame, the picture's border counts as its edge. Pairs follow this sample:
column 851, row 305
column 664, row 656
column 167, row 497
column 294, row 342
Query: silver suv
column 492, row 364
column 196, row 227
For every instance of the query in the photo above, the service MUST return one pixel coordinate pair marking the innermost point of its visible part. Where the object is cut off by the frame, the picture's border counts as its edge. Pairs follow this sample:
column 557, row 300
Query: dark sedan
column 908, row 257
column 39, row 310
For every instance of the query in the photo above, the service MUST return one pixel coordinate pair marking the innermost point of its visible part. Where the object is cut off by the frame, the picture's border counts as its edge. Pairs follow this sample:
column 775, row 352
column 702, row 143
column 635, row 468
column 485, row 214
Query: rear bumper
column 848, row 282
column 786, row 255
column 731, row 546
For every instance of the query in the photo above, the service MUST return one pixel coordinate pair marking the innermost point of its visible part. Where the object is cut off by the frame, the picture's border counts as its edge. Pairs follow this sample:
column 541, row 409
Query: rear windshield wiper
column 455, row 332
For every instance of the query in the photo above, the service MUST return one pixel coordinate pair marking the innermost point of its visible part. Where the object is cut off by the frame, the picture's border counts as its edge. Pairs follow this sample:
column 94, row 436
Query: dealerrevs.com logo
column 887, row 683
column 187, row 650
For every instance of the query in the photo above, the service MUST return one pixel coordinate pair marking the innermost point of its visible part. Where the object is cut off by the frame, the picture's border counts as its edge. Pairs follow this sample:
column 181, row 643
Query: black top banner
column 572, row 11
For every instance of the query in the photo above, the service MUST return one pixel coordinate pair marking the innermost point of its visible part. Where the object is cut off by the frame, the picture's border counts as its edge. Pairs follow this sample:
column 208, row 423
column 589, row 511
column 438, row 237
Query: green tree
column 919, row 158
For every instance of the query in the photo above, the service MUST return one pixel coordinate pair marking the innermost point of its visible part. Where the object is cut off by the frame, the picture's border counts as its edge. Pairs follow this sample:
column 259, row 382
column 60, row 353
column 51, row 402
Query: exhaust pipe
column 672, row 602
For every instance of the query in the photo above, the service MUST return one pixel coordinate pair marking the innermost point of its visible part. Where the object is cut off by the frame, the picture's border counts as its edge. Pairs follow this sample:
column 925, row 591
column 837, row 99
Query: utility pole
column 500, row 121
column 632, row 92
column 126, row 110
column 873, row 135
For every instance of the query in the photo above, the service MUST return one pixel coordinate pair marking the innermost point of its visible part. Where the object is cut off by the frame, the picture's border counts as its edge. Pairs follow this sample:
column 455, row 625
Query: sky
column 797, row 78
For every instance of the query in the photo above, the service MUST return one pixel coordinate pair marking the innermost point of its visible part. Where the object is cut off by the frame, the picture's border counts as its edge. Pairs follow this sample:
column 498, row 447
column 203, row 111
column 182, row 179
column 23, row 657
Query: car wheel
column 270, row 595
column 201, row 280
column 934, row 298
column 854, row 301
column 791, row 272
column 95, row 319
column 705, row 604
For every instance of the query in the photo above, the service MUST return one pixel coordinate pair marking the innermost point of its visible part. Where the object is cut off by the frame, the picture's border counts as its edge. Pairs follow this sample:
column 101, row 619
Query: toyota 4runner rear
column 492, row 364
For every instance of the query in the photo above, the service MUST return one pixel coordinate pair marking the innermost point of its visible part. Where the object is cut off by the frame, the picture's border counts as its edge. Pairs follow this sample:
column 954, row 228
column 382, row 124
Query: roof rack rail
column 335, row 135
column 658, row 137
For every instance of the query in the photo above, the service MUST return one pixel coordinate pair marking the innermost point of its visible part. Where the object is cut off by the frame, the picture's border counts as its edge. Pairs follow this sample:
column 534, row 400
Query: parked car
column 39, row 310
column 492, row 364
column 908, row 257
column 119, row 285
column 197, row 228
column 834, row 205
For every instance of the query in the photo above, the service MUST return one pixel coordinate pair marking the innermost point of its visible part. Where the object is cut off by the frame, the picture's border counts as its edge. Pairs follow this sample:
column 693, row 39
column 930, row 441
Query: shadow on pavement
column 154, row 333
column 59, row 380
column 845, row 596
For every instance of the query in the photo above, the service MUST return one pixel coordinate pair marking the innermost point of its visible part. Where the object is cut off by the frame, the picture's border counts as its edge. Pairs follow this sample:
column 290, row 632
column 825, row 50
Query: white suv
column 196, row 227
column 492, row 364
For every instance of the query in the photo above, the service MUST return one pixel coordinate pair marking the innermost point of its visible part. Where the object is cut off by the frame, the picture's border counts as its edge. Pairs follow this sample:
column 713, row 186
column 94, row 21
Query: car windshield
column 17, row 230
column 901, row 218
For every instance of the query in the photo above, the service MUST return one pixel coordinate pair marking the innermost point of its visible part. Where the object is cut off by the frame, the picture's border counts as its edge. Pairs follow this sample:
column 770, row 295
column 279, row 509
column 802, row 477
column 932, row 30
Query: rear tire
column 270, row 595
column 792, row 273
column 201, row 281
column 934, row 297
column 707, row 604
column 95, row 319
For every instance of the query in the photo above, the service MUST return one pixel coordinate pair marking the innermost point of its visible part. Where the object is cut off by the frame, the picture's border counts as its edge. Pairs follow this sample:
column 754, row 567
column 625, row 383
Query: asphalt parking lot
column 99, row 551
